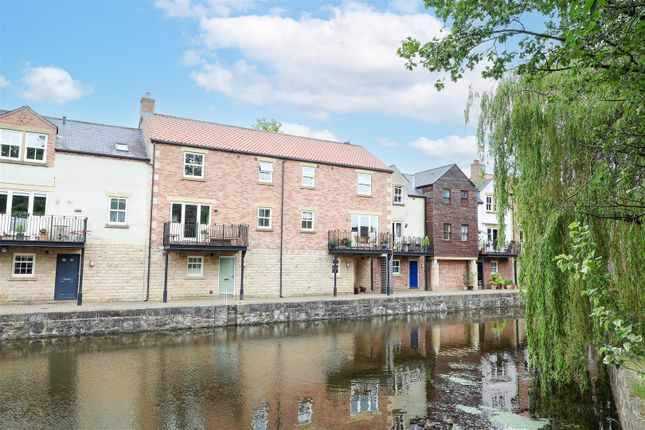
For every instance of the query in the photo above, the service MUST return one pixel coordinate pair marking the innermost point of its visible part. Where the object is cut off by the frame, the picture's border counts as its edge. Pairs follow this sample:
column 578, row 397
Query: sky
column 325, row 69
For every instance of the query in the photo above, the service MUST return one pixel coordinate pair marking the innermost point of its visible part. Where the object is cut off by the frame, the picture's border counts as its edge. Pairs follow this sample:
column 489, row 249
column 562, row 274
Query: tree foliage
column 270, row 125
column 534, row 37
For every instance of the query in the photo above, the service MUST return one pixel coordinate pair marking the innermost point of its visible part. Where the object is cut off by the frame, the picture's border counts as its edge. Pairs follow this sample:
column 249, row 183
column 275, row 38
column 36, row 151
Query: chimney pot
column 64, row 118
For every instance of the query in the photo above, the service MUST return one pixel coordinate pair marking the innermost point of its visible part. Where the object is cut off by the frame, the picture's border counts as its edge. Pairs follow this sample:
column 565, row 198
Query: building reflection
column 364, row 374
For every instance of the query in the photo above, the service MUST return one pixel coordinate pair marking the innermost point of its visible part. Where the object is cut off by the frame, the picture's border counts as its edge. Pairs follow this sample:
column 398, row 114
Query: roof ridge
column 434, row 168
column 93, row 123
column 258, row 131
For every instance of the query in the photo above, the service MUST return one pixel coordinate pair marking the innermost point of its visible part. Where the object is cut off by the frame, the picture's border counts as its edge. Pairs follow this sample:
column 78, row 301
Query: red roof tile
column 171, row 129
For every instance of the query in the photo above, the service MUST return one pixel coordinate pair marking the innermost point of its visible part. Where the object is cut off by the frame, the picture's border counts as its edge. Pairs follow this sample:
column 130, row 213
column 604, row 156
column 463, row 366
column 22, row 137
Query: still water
column 455, row 371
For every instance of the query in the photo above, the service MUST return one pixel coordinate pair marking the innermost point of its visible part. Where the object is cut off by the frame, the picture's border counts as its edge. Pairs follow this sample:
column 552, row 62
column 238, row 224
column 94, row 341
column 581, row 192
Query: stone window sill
column 118, row 226
column 304, row 187
column 398, row 204
column 188, row 178
column 266, row 183
column 194, row 278
column 367, row 196
column 22, row 278
column 23, row 162
column 308, row 231
column 264, row 229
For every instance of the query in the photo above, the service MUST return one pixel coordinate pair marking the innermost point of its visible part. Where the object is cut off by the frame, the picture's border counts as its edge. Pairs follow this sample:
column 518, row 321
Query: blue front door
column 414, row 274
column 66, row 276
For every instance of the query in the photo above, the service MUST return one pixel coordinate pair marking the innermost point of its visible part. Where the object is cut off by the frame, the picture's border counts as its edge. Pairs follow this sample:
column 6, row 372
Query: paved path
column 70, row 306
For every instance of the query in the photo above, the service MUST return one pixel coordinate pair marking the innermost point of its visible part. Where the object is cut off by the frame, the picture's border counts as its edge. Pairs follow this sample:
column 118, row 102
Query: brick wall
column 504, row 267
column 451, row 274
column 456, row 214
column 402, row 282
column 24, row 119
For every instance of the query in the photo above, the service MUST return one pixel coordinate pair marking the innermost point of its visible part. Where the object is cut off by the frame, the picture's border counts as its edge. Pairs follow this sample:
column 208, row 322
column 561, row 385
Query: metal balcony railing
column 410, row 244
column 493, row 248
column 352, row 240
column 43, row 228
column 207, row 235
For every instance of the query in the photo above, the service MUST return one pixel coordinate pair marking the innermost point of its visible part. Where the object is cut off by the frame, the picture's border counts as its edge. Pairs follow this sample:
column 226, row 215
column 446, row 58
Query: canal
column 455, row 371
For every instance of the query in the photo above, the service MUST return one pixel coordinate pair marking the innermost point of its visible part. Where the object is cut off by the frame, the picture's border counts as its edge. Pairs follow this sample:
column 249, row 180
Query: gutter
column 152, row 192
column 281, row 224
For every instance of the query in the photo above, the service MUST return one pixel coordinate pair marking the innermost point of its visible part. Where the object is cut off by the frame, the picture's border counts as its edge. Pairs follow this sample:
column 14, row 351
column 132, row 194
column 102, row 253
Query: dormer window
column 10, row 144
column 36, row 145
column 123, row 147
column 12, row 141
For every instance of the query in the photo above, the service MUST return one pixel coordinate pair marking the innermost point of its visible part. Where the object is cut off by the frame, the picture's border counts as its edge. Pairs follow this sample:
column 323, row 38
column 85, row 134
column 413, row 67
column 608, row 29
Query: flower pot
column 43, row 236
column 20, row 236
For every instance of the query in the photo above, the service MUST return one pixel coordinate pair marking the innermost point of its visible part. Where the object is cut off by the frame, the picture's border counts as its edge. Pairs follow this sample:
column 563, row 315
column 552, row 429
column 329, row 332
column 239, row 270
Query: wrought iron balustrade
column 352, row 240
column 43, row 228
column 492, row 248
column 207, row 235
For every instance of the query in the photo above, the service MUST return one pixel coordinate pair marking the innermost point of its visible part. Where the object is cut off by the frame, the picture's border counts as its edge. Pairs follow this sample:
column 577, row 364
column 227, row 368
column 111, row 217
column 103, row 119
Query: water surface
column 456, row 371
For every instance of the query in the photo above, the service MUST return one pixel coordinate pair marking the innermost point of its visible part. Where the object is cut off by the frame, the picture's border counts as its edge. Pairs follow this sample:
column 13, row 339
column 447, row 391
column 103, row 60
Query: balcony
column 350, row 242
column 491, row 249
column 43, row 230
column 195, row 236
column 411, row 245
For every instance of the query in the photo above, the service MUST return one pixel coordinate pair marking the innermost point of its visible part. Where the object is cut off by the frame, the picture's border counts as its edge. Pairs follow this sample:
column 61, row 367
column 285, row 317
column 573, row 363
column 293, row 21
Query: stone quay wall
column 97, row 322
column 629, row 407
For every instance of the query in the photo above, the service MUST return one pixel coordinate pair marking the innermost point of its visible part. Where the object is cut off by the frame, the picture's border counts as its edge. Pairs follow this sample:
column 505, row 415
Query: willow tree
column 569, row 151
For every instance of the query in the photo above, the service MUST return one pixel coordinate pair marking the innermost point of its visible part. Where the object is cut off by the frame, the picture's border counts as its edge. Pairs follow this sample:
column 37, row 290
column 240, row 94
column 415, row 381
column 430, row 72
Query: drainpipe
column 152, row 192
column 281, row 224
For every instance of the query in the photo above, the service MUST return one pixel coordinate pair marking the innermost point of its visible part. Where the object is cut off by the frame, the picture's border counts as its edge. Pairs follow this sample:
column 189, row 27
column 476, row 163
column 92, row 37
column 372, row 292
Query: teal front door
column 226, row 275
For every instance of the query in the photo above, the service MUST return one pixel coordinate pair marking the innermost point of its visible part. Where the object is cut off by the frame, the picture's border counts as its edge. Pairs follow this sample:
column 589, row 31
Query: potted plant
column 346, row 242
column 205, row 233
column 20, row 232
column 426, row 244
column 333, row 243
column 469, row 280
column 43, row 233
column 384, row 243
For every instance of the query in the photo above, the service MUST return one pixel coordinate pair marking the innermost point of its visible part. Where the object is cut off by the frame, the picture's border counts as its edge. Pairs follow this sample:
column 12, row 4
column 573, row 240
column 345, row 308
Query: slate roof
column 170, row 129
column 99, row 139
column 429, row 177
column 412, row 190
column 482, row 183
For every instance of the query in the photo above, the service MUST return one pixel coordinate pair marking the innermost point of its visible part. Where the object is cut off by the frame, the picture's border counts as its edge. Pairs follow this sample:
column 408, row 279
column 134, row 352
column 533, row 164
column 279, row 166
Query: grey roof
column 482, row 183
column 412, row 190
column 99, row 139
column 429, row 177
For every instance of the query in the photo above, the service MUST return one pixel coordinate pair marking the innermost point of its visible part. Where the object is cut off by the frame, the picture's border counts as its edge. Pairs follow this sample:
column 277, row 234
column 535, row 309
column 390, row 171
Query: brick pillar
column 473, row 273
column 434, row 275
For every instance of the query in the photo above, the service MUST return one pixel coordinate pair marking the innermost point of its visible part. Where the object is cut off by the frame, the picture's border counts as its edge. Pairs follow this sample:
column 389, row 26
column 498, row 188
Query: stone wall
column 95, row 322
column 629, row 407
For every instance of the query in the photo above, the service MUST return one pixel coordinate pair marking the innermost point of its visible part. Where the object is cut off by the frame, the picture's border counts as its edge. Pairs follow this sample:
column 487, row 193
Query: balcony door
column 364, row 229
column 191, row 221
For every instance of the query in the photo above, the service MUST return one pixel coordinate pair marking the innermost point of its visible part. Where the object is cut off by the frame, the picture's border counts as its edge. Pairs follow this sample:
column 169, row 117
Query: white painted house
column 74, row 199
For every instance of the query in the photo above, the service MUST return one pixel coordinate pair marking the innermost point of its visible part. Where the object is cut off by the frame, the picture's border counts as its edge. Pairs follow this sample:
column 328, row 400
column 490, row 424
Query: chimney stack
column 476, row 171
column 147, row 105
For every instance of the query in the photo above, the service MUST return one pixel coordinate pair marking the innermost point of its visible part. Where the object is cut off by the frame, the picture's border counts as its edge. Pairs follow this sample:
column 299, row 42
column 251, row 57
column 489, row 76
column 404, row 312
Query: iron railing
column 340, row 240
column 45, row 228
column 410, row 244
column 492, row 248
column 196, row 234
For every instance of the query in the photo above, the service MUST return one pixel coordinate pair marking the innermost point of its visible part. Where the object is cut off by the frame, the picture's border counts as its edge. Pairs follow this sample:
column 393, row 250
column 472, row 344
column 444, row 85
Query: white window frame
column 2, row 143
column 31, row 196
column 302, row 220
column 364, row 180
column 491, row 207
column 372, row 225
column 397, row 199
column 266, row 168
column 27, row 147
column 443, row 190
column 201, row 265
column 443, row 231
column 264, row 227
column 110, row 210
column 194, row 164
column 396, row 267
column 24, row 275
column 494, row 266
column 466, row 231
column 308, row 176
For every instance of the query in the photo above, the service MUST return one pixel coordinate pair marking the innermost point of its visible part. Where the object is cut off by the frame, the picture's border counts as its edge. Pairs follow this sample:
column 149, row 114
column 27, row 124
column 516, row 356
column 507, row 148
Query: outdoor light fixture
column 4, row 249
column 347, row 263
column 92, row 263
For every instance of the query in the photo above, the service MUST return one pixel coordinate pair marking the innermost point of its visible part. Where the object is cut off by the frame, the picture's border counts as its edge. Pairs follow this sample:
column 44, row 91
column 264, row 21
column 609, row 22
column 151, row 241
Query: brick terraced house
column 238, row 211
column 73, row 209
column 449, row 215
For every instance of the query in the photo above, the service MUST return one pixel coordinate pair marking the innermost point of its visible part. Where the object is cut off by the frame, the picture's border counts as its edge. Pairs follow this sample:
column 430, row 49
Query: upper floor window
column 36, row 145
column 21, row 204
column 445, row 196
column 464, row 233
column 490, row 204
column 446, row 231
column 364, row 184
column 364, row 227
column 463, row 198
column 264, row 218
column 308, row 176
column 398, row 195
column 193, row 165
column 307, row 220
column 266, row 172
column 117, row 210
column 10, row 144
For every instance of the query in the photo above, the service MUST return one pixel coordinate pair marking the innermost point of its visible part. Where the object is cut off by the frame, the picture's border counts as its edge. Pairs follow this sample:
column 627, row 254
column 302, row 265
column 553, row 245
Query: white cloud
column 4, row 82
column 387, row 143
column 346, row 62
column 452, row 149
column 303, row 130
column 52, row 85
column 405, row 6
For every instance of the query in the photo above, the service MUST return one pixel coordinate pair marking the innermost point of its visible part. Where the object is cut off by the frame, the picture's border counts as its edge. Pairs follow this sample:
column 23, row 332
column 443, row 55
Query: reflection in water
column 404, row 373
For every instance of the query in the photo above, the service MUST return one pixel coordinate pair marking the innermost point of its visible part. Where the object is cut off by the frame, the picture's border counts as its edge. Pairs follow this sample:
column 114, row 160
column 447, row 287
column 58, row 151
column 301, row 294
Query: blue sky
column 326, row 69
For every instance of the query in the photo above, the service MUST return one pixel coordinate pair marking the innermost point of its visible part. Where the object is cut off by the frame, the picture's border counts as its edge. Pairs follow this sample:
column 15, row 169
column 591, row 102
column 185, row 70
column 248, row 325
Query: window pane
column 3, row 203
column 113, row 216
column 204, row 217
column 19, row 205
column 198, row 159
column 197, row 171
column 39, row 205
column 176, row 212
column 121, row 204
column 121, row 217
